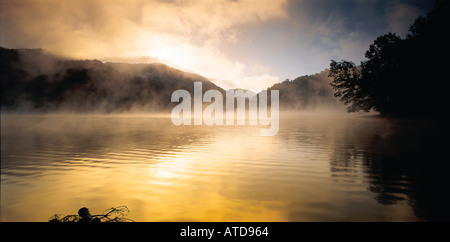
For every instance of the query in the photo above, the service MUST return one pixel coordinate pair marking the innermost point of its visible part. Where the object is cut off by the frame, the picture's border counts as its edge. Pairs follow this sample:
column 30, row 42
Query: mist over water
column 318, row 168
column 131, row 106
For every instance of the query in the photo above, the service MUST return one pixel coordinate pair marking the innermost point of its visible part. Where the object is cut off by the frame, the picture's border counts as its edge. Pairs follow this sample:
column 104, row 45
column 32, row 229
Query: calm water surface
column 318, row 168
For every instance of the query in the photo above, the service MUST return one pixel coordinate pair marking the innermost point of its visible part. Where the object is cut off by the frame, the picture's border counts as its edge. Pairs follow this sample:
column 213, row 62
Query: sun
column 175, row 56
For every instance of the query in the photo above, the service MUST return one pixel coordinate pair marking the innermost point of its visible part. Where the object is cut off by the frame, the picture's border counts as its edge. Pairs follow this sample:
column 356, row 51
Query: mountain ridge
column 32, row 80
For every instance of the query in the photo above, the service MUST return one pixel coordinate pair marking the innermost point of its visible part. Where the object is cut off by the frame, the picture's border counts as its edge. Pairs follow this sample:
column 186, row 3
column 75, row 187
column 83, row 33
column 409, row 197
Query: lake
column 317, row 168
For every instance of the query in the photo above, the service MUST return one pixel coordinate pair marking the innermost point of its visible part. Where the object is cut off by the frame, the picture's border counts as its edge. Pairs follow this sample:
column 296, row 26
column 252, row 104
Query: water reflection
column 403, row 160
column 346, row 168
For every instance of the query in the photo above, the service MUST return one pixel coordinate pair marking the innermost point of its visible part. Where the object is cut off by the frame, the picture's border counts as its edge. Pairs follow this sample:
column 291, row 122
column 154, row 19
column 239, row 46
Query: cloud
column 185, row 34
column 400, row 16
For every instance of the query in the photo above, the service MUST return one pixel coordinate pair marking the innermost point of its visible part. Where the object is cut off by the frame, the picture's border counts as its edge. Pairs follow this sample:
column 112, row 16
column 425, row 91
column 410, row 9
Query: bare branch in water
column 114, row 214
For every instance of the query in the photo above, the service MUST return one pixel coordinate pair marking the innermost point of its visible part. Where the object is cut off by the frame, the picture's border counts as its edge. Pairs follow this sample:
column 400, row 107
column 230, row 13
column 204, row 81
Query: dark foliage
column 401, row 77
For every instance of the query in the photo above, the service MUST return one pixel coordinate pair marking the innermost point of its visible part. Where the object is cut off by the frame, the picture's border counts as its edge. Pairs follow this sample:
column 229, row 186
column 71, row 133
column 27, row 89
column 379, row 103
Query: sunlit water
column 318, row 168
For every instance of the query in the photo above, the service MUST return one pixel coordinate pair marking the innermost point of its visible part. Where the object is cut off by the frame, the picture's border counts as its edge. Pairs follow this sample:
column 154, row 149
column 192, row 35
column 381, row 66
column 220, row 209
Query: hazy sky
column 235, row 43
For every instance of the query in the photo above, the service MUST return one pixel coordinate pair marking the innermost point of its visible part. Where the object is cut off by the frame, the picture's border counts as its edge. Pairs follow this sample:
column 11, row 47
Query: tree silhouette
column 347, row 79
column 382, row 74
column 401, row 77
